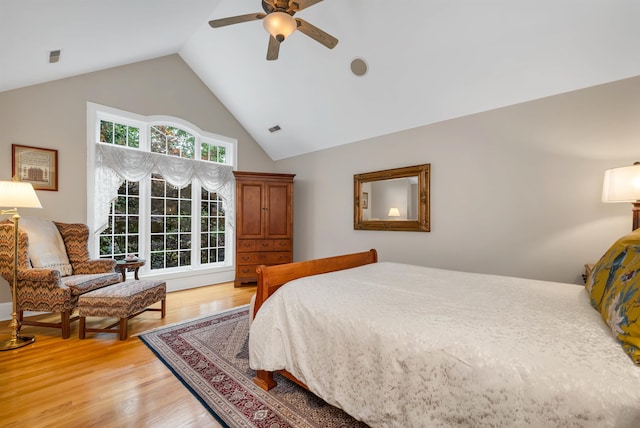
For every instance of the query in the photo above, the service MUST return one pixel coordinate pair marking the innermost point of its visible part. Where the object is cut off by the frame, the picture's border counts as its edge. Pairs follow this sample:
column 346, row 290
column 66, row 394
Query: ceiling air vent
column 274, row 129
column 54, row 56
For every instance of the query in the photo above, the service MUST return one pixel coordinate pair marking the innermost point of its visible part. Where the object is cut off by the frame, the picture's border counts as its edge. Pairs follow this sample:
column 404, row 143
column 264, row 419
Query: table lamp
column 623, row 185
column 16, row 194
column 394, row 212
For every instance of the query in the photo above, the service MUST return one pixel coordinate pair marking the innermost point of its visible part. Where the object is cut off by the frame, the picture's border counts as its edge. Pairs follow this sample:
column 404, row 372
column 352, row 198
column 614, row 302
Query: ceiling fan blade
column 273, row 49
column 316, row 34
column 223, row 22
column 297, row 5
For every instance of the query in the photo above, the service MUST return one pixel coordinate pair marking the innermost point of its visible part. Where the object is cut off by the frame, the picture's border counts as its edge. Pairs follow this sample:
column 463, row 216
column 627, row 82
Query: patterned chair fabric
column 123, row 300
column 45, row 290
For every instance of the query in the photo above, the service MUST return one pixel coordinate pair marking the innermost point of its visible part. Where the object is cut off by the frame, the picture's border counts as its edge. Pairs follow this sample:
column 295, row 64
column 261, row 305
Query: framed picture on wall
column 35, row 165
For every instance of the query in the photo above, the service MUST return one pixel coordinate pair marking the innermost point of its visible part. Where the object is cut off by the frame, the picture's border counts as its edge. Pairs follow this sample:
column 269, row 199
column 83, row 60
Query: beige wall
column 515, row 191
column 54, row 115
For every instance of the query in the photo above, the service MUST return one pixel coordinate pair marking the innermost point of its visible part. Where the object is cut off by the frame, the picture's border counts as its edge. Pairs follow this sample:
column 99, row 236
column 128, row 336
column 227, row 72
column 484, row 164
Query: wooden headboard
column 270, row 278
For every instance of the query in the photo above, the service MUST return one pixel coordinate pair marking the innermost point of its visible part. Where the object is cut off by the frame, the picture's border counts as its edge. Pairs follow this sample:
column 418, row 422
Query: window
column 212, row 229
column 120, row 134
column 172, row 141
column 170, row 225
column 122, row 235
column 174, row 227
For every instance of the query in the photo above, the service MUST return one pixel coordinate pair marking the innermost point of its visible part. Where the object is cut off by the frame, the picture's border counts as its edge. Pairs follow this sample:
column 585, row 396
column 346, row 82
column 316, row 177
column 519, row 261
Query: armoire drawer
column 264, row 258
column 246, row 245
column 264, row 244
column 248, row 259
column 275, row 258
column 246, row 271
column 282, row 245
column 249, row 270
column 249, row 245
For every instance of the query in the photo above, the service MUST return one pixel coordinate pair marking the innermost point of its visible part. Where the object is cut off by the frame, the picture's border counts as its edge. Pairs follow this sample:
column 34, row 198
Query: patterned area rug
column 211, row 358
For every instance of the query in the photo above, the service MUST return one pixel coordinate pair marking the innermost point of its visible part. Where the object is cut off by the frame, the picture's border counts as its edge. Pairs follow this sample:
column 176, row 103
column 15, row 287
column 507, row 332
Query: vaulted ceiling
column 428, row 60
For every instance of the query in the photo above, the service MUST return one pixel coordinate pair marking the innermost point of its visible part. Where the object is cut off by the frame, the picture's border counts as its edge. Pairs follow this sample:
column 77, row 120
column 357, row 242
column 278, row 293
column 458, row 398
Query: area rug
column 211, row 357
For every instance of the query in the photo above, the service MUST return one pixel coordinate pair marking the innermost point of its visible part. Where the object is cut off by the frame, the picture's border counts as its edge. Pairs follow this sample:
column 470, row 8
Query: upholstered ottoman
column 123, row 300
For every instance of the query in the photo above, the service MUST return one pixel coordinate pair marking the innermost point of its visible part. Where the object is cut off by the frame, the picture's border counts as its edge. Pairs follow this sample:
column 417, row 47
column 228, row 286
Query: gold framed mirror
column 392, row 199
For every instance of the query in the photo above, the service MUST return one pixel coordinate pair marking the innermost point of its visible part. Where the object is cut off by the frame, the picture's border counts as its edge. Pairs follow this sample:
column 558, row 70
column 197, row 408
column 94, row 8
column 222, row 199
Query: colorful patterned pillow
column 614, row 289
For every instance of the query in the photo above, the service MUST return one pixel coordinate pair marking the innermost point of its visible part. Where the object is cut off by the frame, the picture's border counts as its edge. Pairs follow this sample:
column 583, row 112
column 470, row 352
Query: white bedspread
column 406, row 346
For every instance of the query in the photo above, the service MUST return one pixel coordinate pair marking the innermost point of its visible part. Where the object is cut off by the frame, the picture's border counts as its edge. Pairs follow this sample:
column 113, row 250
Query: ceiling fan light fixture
column 280, row 25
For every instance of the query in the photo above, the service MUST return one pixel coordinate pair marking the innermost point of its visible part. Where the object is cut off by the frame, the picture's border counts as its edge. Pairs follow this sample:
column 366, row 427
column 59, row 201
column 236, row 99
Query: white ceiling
column 429, row 60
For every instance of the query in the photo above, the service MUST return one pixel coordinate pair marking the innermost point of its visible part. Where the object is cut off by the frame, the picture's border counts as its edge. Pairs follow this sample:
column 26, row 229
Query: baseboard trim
column 6, row 309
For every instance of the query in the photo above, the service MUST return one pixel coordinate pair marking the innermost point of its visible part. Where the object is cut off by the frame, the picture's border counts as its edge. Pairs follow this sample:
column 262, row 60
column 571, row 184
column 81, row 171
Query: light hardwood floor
column 104, row 382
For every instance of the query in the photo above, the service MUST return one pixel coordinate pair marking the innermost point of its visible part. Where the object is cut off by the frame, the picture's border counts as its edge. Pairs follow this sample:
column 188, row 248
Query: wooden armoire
column 264, row 222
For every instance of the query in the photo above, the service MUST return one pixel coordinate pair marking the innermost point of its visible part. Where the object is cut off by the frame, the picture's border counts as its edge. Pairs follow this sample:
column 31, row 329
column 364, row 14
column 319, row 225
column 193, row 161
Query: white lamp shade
column 394, row 212
column 621, row 184
column 279, row 24
column 16, row 194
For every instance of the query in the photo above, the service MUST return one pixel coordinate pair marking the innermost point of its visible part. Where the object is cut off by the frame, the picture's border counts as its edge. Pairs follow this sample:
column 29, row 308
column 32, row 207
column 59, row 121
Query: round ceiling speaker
column 359, row 67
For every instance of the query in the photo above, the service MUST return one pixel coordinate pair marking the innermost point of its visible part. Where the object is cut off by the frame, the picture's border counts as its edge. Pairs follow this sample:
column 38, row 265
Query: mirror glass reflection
column 394, row 199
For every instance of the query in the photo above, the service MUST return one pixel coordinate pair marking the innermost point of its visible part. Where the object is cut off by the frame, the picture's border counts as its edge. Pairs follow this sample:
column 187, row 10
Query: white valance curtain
column 115, row 164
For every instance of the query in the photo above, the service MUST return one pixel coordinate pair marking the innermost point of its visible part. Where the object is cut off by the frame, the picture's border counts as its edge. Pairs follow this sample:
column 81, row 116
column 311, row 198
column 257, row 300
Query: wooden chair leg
column 163, row 306
column 82, row 328
column 123, row 328
column 65, row 321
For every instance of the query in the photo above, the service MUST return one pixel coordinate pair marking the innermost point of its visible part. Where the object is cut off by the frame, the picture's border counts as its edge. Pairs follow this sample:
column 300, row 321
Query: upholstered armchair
column 45, row 289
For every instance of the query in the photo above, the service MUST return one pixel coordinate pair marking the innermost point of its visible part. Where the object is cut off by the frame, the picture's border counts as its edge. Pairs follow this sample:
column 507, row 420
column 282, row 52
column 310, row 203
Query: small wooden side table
column 123, row 266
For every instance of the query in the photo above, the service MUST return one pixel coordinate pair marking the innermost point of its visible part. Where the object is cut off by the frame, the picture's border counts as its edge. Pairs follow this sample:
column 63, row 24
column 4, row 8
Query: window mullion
column 196, row 196
column 145, row 138
column 143, row 222
column 195, row 223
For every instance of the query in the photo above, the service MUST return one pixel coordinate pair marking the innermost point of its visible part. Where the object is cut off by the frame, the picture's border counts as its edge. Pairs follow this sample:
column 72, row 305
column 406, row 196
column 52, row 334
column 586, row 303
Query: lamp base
column 16, row 342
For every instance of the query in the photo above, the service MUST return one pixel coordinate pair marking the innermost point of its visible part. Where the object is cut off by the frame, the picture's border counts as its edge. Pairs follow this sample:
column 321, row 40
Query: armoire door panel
column 250, row 217
column 278, row 221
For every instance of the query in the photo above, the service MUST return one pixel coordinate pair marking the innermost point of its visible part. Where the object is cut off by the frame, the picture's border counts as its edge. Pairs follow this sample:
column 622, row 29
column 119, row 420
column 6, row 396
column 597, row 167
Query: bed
column 397, row 345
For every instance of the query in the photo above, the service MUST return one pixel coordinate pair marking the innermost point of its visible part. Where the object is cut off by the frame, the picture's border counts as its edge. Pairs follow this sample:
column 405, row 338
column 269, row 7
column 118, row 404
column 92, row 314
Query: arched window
column 161, row 189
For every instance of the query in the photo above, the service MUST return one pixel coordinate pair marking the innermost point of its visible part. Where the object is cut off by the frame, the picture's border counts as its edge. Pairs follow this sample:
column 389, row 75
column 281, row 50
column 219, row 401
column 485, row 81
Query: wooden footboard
column 273, row 277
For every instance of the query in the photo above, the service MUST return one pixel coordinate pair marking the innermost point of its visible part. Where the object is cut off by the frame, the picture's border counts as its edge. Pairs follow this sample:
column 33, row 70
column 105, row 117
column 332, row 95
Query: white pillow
column 46, row 247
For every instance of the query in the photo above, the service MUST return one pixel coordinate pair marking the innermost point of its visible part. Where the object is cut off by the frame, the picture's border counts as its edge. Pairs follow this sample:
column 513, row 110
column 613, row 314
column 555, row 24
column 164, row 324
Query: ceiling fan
column 280, row 23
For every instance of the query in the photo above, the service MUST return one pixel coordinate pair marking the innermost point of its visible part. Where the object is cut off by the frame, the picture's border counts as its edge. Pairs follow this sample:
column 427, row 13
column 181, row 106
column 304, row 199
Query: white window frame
column 191, row 277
